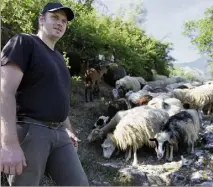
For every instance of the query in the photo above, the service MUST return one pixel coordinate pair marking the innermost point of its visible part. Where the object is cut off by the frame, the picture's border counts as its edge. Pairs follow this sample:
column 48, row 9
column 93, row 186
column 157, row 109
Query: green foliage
column 91, row 34
column 66, row 60
column 201, row 33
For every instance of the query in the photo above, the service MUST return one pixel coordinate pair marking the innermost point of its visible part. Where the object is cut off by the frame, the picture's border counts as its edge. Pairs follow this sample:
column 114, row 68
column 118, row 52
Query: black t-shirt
column 44, row 91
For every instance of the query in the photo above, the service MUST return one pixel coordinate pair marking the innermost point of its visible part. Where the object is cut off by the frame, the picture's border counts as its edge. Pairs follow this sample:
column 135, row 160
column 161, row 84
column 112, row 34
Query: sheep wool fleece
column 43, row 96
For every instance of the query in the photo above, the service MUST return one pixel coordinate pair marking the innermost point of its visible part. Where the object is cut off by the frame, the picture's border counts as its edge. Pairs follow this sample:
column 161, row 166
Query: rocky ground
column 196, row 170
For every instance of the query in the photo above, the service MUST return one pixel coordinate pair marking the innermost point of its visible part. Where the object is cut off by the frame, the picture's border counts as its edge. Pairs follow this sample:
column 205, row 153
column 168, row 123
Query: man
column 36, row 135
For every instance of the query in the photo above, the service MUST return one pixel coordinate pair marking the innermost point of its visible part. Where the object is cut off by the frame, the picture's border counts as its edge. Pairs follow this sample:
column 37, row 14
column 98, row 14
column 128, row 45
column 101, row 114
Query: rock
column 201, row 176
column 201, row 163
column 209, row 183
column 207, row 136
column 135, row 177
column 178, row 179
column 199, row 152
column 156, row 180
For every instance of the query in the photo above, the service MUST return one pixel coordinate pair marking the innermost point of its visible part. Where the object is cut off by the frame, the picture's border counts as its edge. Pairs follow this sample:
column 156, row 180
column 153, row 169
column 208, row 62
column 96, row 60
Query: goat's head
column 108, row 146
column 162, row 140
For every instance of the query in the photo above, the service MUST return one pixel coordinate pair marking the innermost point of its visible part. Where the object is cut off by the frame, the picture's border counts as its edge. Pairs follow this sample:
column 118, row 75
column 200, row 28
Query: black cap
column 51, row 7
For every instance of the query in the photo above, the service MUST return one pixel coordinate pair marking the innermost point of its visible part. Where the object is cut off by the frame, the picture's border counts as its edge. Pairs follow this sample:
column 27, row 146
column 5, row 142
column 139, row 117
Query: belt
column 30, row 120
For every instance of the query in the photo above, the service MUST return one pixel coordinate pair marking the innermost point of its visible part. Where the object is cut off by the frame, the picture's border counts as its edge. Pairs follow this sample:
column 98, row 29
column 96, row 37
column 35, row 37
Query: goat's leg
column 192, row 148
column 117, row 152
column 91, row 92
column 209, row 109
column 96, row 89
column 86, row 91
column 167, row 152
column 91, row 95
column 128, row 154
column 200, row 113
column 171, row 153
column 135, row 161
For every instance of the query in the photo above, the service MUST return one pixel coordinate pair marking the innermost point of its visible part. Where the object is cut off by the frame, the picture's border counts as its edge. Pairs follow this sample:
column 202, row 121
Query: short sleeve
column 18, row 50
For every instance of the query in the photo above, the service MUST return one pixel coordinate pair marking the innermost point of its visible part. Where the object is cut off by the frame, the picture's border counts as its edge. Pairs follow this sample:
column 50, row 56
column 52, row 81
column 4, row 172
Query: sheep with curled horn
column 100, row 133
column 134, row 131
column 171, row 105
column 180, row 131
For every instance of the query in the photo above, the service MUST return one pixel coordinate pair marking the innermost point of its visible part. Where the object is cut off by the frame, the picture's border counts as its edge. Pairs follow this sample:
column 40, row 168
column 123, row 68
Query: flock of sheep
column 165, row 114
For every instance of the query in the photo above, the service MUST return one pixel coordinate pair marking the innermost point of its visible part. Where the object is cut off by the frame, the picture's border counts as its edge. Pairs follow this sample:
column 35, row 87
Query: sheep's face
column 108, row 146
column 157, row 103
column 161, row 139
column 180, row 94
column 102, row 121
column 95, row 135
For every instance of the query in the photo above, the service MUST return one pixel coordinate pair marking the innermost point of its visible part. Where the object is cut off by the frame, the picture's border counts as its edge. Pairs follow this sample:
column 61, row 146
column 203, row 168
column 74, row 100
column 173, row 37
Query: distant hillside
column 199, row 67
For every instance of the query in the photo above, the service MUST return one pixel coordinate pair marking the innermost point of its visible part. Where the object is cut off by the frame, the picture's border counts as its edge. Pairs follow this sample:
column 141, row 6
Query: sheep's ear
column 171, row 142
column 109, row 135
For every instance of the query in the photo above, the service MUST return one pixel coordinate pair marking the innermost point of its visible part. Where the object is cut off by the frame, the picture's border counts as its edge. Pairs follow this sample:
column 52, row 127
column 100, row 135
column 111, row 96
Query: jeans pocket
column 23, row 131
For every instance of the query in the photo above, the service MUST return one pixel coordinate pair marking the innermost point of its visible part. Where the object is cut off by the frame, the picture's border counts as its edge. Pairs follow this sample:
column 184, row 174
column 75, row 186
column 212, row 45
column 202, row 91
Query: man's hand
column 12, row 159
column 74, row 139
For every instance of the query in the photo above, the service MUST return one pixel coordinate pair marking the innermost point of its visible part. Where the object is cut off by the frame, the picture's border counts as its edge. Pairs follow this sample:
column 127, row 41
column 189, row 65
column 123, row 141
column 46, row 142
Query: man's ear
column 41, row 19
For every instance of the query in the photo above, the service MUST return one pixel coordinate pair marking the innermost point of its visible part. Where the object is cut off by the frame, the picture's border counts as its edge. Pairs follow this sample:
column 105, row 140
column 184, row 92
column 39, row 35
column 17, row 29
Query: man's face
column 54, row 24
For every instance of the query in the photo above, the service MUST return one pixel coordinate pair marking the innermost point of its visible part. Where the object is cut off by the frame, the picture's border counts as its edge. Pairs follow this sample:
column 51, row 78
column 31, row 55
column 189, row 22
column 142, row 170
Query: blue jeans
column 50, row 151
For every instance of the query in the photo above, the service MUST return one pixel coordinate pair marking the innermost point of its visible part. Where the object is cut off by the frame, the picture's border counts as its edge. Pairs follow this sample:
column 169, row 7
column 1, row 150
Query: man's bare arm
column 12, row 156
column 11, row 76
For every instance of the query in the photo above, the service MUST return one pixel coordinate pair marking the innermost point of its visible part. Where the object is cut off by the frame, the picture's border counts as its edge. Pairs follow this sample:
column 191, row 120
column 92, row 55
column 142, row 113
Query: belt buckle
column 54, row 124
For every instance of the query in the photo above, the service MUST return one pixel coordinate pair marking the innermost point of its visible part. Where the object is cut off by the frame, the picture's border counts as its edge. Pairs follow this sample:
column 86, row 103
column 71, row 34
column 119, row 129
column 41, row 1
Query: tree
column 200, row 33
column 91, row 34
column 134, row 13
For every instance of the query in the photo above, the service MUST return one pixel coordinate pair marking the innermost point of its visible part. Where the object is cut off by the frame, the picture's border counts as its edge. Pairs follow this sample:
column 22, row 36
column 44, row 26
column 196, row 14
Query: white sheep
column 197, row 97
column 134, row 130
column 208, row 82
column 180, row 131
column 171, row 105
column 130, row 83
